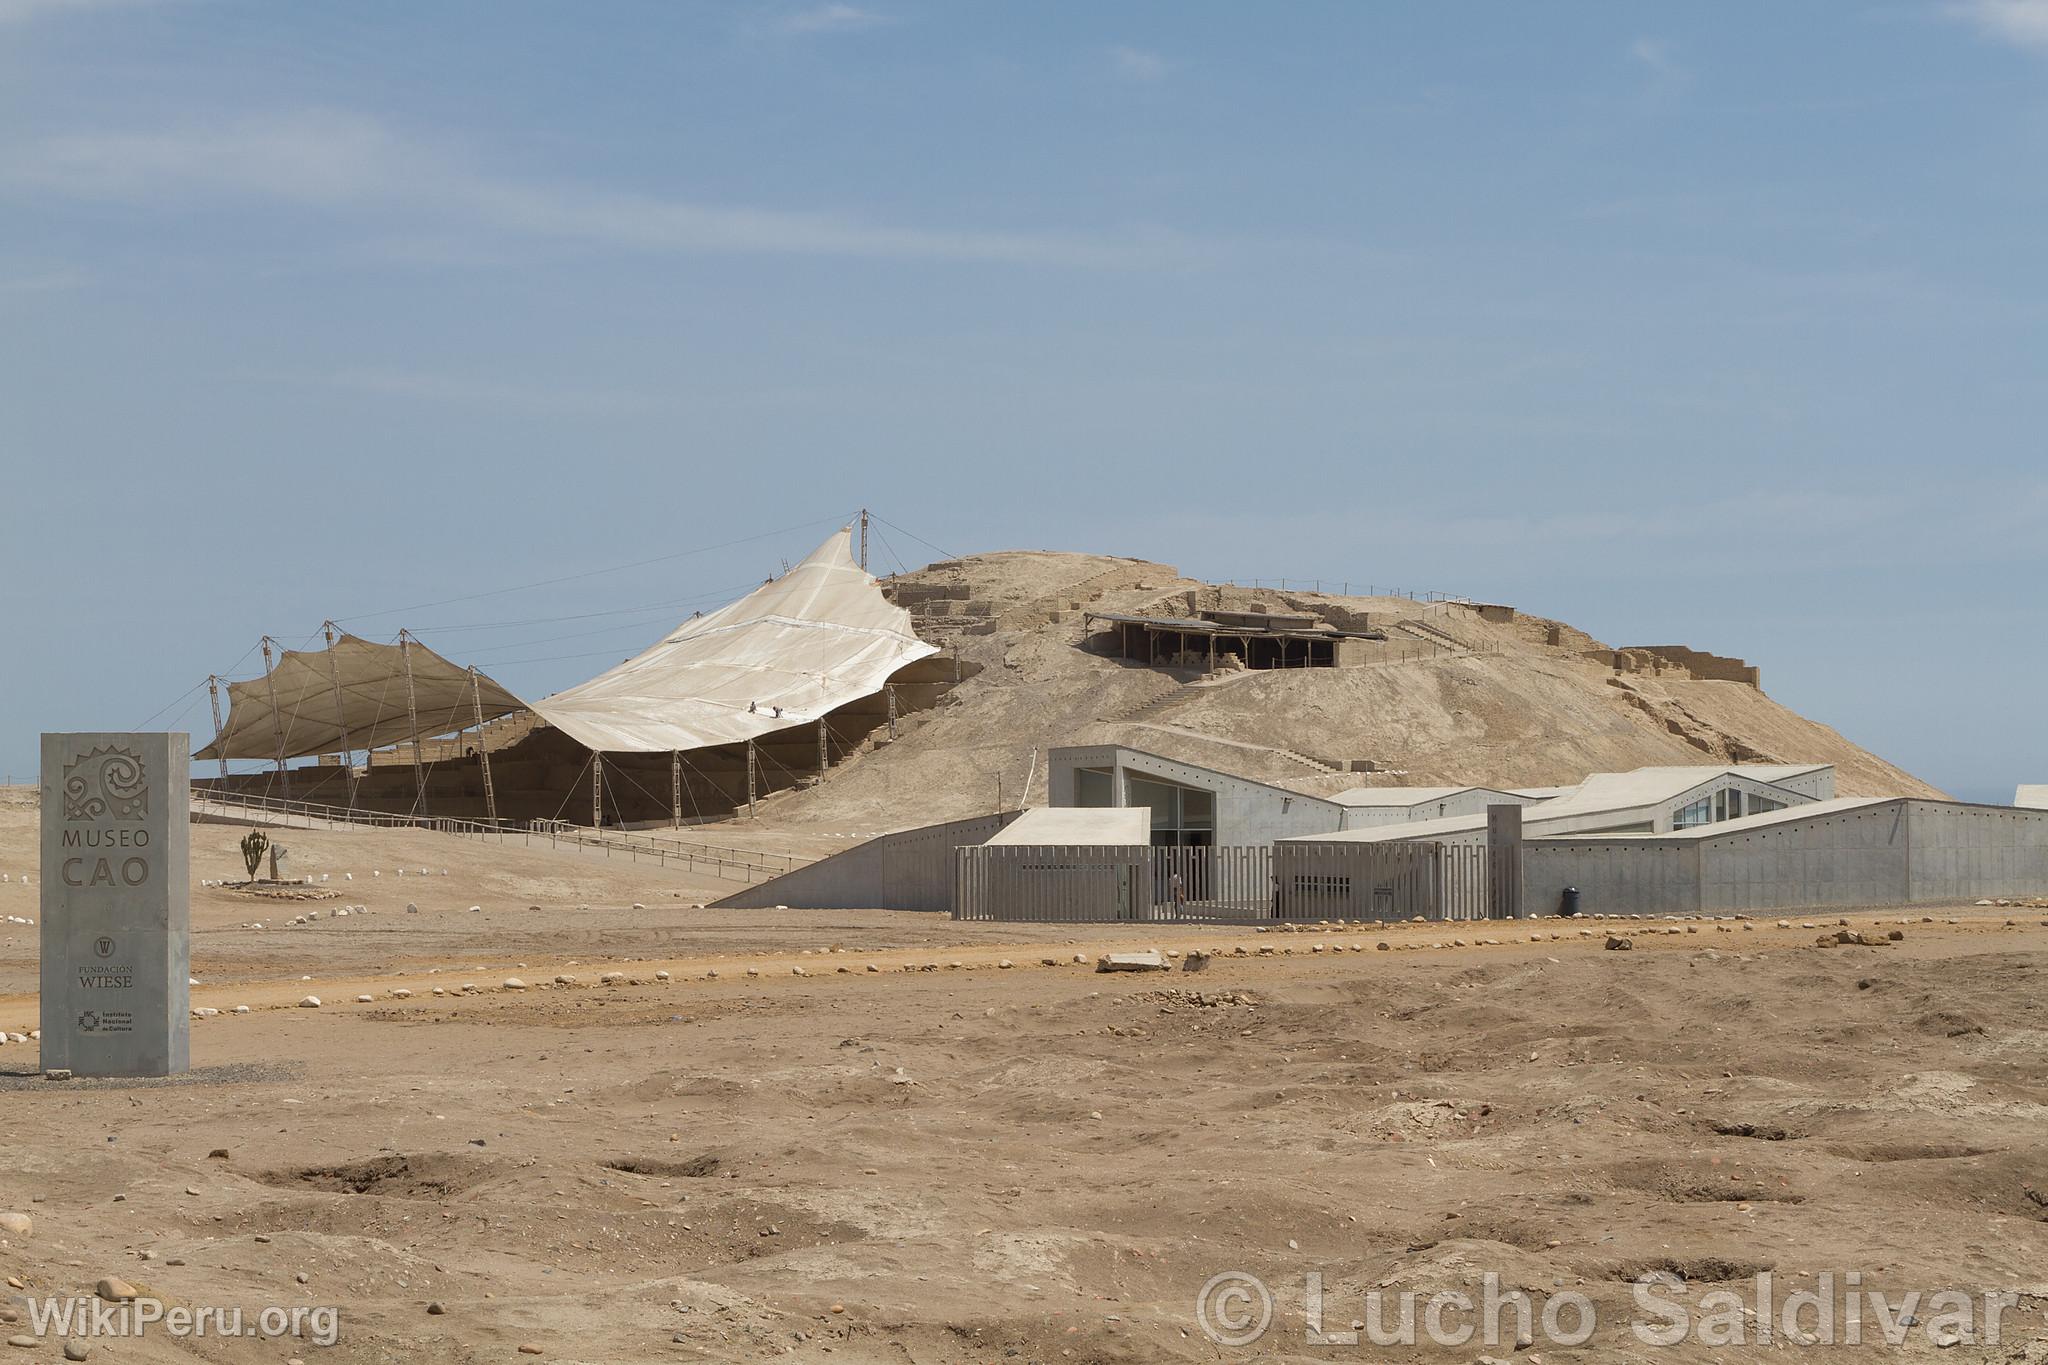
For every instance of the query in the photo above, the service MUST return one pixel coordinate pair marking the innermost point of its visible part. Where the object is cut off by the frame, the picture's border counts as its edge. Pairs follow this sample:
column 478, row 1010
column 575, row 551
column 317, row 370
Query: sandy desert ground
column 886, row 1146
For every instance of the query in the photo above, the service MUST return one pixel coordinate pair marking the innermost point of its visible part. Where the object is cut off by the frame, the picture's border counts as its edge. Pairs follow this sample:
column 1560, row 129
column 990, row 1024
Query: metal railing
column 729, row 864
column 1062, row 883
column 1343, row 588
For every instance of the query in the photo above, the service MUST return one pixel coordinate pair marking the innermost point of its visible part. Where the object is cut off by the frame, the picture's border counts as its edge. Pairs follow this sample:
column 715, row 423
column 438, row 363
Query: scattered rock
column 1618, row 944
column 75, row 1349
column 16, row 1224
column 115, row 1290
column 1151, row 960
column 513, row 983
column 435, row 1310
column 311, row 1002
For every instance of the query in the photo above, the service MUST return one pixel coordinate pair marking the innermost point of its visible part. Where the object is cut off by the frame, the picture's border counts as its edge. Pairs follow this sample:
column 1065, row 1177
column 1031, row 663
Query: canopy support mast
column 412, row 714
column 483, row 748
column 596, row 790
column 348, row 767
column 213, row 686
column 284, row 775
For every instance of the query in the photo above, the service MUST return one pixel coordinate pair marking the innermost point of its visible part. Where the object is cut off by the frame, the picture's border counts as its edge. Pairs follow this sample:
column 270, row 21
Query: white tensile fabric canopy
column 372, row 705
column 818, row 637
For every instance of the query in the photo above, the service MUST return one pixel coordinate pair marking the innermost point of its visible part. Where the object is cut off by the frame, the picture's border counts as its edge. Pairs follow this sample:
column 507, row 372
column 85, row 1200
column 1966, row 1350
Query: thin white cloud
column 833, row 18
column 2022, row 23
column 1655, row 56
column 350, row 164
column 314, row 157
column 1136, row 64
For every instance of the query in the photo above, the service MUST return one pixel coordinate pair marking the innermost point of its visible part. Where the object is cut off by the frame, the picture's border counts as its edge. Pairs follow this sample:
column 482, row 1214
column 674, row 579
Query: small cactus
column 254, row 845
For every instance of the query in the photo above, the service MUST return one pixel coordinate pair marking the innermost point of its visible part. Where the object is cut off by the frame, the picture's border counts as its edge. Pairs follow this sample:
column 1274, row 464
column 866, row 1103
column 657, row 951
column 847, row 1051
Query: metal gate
column 1058, row 883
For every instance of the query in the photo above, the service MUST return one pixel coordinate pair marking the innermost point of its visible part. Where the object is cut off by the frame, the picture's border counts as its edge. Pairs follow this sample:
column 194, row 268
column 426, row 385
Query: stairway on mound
column 1314, row 765
column 1170, row 691
column 1429, row 634
column 1162, row 691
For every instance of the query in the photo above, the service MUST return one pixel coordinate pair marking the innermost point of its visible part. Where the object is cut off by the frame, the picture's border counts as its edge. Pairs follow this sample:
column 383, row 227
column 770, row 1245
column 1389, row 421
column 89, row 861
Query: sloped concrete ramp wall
column 911, row 869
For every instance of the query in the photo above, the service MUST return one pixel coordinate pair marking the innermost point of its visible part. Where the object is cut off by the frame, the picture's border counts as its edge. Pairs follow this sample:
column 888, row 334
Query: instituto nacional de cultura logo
column 106, row 784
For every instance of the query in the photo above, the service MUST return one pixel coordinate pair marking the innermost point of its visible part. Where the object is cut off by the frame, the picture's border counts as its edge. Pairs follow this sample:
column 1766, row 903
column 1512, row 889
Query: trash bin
column 1568, row 902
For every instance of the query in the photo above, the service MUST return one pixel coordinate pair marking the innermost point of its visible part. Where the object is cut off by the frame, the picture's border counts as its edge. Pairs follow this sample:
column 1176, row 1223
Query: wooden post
column 348, row 767
column 276, row 719
column 863, row 539
column 824, row 746
column 483, row 749
column 750, row 777
column 214, row 686
column 596, row 790
column 412, row 715
column 892, row 719
column 675, row 788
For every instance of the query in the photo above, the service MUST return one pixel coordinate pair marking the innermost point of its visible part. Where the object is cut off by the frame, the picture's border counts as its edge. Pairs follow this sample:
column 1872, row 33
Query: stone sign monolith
column 116, row 931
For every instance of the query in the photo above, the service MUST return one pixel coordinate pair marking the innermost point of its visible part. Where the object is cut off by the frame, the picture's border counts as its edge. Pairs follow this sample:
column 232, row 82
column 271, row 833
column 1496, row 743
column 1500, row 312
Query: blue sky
column 1719, row 325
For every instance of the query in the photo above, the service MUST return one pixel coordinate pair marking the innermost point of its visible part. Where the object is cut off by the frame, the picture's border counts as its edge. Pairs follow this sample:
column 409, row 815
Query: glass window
column 1159, row 797
column 1093, row 787
column 1700, row 812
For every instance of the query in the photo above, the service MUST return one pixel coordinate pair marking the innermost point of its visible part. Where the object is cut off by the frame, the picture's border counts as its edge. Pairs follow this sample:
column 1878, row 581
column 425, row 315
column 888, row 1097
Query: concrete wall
column 1616, row 877
column 909, row 870
column 1472, row 802
column 1247, row 812
column 1899, row 852
column 1852, row 857
column 1966, row 852
column 1818, row 784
